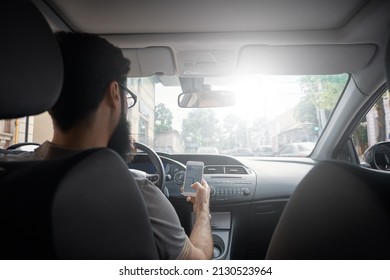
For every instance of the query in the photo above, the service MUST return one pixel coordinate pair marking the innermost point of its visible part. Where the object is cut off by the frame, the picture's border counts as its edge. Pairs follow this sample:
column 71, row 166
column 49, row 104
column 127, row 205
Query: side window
column 375, row 126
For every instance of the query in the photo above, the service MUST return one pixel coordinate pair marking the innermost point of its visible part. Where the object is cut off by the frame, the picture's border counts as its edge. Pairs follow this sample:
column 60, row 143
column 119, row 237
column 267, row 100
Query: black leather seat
column 83, row 206
column 338, row 211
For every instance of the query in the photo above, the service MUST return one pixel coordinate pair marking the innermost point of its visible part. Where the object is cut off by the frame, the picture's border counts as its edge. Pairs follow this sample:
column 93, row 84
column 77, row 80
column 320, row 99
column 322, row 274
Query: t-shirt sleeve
column 171, row 239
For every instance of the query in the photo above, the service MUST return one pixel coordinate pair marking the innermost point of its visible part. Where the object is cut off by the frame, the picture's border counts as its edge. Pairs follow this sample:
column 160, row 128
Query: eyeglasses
column 130, row 96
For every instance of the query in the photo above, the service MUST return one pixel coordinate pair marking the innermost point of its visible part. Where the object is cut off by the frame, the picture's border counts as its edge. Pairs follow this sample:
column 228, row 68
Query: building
column 39, row 128
column 15, row 131
column 170, row 142
column 141, row 116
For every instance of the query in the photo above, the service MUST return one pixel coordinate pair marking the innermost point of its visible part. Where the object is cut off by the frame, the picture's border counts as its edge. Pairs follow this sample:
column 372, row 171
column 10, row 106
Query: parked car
column 208, row 150
column 245, row 152
column 309, row 69
column 301, row 149
column 264, row 151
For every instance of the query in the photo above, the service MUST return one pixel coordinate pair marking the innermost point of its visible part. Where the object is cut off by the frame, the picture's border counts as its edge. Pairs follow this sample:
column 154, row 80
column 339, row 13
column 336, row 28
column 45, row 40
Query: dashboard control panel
column 230, row 183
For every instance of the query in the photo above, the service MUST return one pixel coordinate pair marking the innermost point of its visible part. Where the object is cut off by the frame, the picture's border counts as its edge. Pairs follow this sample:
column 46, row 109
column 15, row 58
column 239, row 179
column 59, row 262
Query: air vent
column 235, row 170
column 213, row 169
column 221, row 169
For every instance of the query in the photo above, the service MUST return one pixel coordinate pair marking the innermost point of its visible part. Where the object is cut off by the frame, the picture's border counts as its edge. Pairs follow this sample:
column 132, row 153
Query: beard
column 120, row 139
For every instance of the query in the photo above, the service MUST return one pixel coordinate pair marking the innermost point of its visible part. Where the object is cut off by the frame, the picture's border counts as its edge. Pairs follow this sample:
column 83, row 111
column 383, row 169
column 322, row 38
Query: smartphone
column 194, row 173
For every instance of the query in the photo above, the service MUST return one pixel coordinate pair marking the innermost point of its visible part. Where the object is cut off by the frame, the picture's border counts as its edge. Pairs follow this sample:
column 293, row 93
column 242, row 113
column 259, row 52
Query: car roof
column 130, row 17
column 240, row 36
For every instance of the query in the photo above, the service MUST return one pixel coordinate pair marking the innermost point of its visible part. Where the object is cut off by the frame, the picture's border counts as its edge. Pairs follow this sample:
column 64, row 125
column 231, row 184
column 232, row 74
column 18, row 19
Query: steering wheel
column 156, row 161
column 29, row 146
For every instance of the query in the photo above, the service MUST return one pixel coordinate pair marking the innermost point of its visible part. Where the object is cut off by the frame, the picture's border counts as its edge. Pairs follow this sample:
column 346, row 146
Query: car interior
column 331, row 202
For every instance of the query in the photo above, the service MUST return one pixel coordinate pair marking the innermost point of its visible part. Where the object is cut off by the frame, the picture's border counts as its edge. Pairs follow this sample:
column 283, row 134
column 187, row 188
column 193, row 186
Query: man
column 91, row 112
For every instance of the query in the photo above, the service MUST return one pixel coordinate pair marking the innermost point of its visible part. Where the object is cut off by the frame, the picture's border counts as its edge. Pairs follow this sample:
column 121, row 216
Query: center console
column 230, row 183
column 221, row 232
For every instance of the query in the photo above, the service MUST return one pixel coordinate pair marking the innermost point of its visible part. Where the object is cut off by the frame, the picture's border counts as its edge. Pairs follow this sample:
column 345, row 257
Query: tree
column 305, row 111
column 230, row 126
column 322, row 94
column 235, row 132
column 381, row 120
column 327, row 89
column 163, row 119
column 200, row 128
column 360, row 137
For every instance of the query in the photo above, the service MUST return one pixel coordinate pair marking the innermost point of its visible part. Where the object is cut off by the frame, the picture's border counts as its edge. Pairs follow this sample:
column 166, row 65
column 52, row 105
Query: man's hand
column 201, row 200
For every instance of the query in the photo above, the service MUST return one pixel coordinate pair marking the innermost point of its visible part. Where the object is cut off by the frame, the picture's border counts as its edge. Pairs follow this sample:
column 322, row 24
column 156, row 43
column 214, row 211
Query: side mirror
column 206, row 99
column 378, row 156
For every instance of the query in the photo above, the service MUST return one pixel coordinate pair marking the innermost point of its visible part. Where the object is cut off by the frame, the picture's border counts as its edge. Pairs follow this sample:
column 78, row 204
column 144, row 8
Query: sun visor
column 147, row 62
column 303, row 60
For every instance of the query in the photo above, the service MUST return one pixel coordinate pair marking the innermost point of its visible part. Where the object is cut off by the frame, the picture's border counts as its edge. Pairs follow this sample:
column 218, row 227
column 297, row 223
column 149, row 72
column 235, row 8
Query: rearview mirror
column 206, row 99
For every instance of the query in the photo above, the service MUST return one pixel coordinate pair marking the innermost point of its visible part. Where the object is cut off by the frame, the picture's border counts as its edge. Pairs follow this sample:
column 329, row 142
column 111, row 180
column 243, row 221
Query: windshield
column 270, row 111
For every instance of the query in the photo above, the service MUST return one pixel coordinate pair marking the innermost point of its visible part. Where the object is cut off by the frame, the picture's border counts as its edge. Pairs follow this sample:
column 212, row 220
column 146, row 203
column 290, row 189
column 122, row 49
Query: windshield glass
column 270, row 111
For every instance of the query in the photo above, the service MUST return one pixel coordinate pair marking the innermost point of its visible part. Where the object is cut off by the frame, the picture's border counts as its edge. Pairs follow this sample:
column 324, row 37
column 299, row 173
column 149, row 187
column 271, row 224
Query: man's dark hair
column 91, row 63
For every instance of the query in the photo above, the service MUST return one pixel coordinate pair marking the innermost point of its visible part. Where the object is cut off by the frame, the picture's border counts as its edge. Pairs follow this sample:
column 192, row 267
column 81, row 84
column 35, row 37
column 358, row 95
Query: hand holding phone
column 194, row 173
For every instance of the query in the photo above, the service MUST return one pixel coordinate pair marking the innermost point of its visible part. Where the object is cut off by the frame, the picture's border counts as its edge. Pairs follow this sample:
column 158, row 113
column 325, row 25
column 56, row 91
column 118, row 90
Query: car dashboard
column 247, row 199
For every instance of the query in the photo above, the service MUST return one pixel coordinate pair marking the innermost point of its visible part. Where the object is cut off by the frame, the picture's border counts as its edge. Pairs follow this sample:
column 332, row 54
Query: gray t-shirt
column 171, row 239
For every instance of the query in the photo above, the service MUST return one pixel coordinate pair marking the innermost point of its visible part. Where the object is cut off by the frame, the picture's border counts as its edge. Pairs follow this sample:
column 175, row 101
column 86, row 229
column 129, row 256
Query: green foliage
column 305, row 111
column 322, row 93
column 200, row 127
column 326, row 89
column 163, row 119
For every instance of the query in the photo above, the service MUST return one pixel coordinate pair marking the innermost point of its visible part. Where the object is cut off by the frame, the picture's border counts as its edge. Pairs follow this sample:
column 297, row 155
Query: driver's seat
column 83, row 206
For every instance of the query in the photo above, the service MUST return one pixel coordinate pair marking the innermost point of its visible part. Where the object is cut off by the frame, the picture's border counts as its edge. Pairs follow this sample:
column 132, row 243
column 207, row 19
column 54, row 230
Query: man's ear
column 113, row 96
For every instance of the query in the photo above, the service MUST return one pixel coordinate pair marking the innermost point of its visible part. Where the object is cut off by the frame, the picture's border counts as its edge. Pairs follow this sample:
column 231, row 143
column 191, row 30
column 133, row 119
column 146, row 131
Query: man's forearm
column 201, row 234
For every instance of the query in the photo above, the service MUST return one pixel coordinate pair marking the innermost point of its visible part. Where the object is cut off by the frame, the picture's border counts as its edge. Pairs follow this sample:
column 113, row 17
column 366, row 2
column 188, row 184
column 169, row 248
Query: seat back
column 82, row 206
column 338, row 211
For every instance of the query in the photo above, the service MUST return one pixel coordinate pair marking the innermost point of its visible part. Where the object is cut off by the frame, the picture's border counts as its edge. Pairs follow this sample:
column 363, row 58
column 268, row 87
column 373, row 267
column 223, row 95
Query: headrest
column 31, row 70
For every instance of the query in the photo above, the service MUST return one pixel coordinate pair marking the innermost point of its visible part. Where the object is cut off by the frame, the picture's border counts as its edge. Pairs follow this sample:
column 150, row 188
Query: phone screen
column 194, row 173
